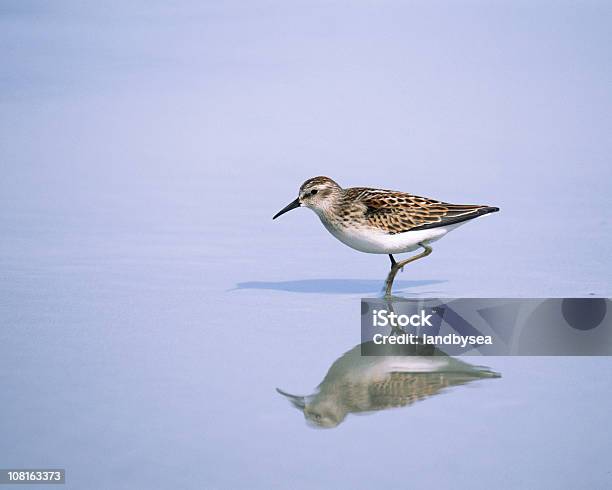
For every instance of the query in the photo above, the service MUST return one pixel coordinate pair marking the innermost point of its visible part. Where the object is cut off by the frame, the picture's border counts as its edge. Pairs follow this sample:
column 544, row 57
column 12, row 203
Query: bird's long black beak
column 296, row 401
column 288, row 207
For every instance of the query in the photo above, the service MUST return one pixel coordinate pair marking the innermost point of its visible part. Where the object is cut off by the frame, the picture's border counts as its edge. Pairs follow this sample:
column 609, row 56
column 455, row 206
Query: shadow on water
column 388, row 376
column 332, row 286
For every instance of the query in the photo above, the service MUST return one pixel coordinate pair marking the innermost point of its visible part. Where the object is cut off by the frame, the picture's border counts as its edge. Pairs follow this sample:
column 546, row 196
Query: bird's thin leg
column 393, row 262
column 395, row 267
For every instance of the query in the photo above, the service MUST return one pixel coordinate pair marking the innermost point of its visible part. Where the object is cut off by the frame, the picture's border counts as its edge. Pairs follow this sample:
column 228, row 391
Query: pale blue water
column 149, row 306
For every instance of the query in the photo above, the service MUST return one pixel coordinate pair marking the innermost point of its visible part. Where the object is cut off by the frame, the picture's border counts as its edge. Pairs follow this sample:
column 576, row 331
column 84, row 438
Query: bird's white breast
column 370, row 240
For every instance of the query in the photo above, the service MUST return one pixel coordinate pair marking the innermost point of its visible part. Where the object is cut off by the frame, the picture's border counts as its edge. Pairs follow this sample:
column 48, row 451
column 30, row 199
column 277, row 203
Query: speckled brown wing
column 402, row 389
column 398, row 389
column 398, row 212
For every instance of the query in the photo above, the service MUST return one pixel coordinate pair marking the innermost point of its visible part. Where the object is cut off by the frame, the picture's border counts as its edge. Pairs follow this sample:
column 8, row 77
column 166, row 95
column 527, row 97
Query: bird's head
column 325, row 414
column 318, row 194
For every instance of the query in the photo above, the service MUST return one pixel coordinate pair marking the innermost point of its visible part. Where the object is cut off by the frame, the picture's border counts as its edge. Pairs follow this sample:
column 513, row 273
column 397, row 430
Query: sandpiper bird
column 381, row 221
column 393, row 376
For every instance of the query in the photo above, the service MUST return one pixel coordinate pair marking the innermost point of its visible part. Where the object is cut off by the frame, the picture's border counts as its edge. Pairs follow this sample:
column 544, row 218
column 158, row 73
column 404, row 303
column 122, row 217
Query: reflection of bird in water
column 394, row 376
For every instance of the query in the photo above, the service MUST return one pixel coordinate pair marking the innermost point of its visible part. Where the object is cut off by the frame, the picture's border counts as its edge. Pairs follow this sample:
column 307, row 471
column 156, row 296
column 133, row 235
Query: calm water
column 125, row 361
column 150, row 308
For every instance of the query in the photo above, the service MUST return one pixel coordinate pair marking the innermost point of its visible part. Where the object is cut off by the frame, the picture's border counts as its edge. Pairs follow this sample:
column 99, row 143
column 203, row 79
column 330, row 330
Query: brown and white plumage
column 379, row 220
column 399, row 212
column 390, row 379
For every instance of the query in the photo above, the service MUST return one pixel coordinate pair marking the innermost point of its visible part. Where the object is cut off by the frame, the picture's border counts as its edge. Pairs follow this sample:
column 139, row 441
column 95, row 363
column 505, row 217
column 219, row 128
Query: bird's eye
column 313, row 192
